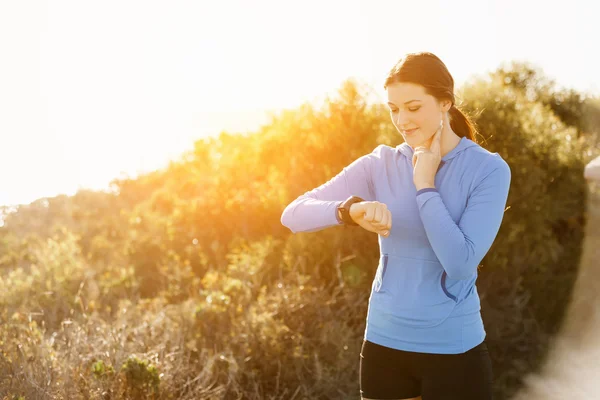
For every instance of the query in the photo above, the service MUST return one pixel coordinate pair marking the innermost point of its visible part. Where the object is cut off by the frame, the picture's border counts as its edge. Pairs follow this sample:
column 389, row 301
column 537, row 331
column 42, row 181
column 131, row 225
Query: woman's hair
column 427, row 70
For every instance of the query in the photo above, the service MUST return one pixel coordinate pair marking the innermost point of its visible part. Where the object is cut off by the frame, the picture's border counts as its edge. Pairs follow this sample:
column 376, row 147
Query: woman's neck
column 448, row 141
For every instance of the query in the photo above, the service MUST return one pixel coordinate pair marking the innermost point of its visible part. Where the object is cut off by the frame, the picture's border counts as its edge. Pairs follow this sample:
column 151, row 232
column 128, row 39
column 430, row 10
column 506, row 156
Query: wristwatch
column 344, row 209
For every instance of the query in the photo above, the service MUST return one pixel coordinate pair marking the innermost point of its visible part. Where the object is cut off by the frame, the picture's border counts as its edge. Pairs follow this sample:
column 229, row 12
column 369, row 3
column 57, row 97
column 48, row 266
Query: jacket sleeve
column 461, row 247
column 316, row 209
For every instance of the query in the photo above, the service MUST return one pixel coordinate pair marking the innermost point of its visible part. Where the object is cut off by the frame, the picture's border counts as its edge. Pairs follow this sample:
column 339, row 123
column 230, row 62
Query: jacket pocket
column 444, row 289
column 412, row 292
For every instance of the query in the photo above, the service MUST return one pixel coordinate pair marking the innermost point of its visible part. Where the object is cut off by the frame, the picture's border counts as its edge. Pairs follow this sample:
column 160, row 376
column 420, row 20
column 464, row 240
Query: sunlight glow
column 92, row 91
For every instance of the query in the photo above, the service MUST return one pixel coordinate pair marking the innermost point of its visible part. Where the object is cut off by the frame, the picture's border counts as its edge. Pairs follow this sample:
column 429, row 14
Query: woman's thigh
column 395, row 374
column 463, row 376
column 384, row 374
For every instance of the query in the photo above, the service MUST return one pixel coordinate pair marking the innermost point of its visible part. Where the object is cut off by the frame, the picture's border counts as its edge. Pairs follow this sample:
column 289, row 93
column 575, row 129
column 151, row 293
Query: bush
column 182, row 283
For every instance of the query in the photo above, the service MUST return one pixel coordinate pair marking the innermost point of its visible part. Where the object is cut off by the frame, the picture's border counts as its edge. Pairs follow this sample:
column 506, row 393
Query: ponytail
column 461, row 124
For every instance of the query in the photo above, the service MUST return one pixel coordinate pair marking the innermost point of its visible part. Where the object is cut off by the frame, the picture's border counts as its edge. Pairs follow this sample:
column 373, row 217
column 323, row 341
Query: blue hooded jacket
column 423, row 296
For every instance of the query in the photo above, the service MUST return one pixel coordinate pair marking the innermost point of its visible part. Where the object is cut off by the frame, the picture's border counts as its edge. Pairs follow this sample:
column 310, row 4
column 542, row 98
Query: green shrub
column 142, row 378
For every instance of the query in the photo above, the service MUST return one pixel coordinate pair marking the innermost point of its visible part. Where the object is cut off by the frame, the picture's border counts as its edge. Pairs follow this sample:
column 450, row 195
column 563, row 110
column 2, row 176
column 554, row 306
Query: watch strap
column 344, row 210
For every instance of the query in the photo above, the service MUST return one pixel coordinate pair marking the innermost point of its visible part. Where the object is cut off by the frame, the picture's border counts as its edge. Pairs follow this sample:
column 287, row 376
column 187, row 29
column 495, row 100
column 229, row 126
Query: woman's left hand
column 426, row 161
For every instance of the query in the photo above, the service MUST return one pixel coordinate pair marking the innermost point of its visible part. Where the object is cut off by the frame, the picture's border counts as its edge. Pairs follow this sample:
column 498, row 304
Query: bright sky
column 93, row 90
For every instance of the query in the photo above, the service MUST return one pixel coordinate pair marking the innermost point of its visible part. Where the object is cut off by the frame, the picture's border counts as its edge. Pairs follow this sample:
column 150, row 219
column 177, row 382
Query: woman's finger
column 378, row 215
column 435, row 144
column 369, row 213
column 417, row 153
column 384, row 218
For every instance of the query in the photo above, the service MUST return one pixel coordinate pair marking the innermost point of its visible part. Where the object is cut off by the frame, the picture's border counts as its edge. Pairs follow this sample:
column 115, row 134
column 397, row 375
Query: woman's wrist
column 344, row 207
column 425, row 186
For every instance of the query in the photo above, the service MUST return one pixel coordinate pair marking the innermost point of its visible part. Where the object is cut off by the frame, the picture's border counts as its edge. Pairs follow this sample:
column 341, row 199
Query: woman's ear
column 446, row 105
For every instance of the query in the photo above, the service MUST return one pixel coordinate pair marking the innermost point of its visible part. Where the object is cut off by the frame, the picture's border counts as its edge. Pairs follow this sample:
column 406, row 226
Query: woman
column 445, row 194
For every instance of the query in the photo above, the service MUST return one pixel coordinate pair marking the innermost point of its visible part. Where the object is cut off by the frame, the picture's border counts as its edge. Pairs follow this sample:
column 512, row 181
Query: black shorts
column 387, row 373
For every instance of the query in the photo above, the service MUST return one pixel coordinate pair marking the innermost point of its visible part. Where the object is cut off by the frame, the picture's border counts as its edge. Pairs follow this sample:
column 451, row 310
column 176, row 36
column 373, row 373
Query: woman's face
column 415, row 113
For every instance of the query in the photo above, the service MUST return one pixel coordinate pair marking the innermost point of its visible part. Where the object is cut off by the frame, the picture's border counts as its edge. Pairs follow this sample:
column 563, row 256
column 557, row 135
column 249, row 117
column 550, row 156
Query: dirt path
column 572, row 370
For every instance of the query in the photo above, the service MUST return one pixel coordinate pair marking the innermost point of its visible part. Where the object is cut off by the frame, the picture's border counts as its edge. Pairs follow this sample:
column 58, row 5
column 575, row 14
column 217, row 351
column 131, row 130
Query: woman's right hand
column 372, row 216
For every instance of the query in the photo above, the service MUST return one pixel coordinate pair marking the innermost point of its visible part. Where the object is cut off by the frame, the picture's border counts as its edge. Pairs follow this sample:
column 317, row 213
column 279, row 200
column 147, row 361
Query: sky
column 92, row 91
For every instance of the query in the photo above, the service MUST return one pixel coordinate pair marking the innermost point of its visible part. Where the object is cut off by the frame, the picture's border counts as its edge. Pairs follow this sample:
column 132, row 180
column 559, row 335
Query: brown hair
column 427, row 70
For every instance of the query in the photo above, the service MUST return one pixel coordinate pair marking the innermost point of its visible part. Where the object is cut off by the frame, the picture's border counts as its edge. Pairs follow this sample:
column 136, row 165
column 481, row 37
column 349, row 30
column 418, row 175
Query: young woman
column 446, row 196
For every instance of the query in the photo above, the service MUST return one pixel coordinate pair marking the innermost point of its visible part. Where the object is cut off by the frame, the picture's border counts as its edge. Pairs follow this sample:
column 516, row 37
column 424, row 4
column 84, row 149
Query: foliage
column 182, row 283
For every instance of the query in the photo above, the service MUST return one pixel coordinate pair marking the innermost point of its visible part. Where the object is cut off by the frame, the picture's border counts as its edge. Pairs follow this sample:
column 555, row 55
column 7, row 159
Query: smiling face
column 415, row 114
